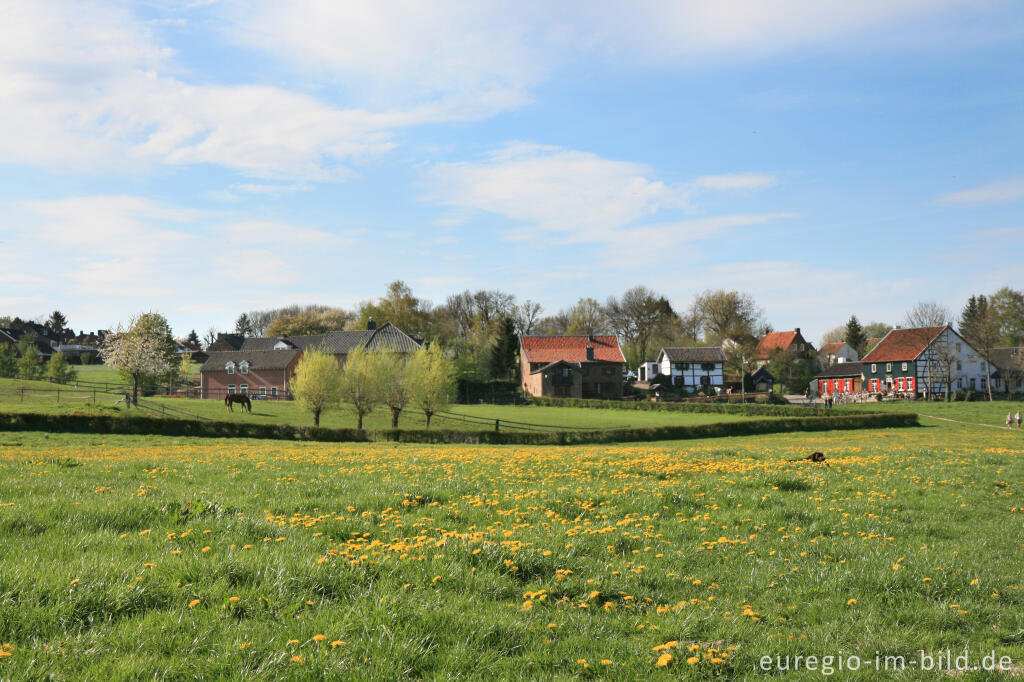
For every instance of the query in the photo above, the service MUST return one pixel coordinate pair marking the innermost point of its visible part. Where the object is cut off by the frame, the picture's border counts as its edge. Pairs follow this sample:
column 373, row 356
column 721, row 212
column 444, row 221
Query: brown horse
column 239, row 398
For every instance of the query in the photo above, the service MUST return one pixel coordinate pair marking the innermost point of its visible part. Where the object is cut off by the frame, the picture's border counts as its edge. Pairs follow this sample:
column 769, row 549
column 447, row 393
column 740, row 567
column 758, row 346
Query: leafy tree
column 360, row 386
column 638, row 316
column 243, row 326
column 316, row 384
column 793, row 370
column 1008, row 305
column 8, row 360
column 875, row 330
column 834, row 334
column 431, row 380
column 57, row 323
column 587, row 317
column 30, row 364
column 503, row 353
column 855, row 336
column 59, row 370
column 306, row 322
column 393, row 382
column 928, row 314
column 399, row 307
column 725, row 314
column 979, row 324
column 144, row 348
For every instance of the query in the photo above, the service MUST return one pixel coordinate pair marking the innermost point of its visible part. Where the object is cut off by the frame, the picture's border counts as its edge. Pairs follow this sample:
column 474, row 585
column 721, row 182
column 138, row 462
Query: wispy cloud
column 1005, row 192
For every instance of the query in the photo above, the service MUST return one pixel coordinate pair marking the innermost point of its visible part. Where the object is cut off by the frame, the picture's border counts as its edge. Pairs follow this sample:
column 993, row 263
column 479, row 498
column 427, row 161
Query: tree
column 57, row 323
column 399, row 307
column 59, row 370
column 316, row 384
column 587, row 317
column 928, row 314
column 979, row 324
column 8, row 360
column 724, row 314
column 1008, row 305
column 792, row 370
column 503, row 353
column 210, row 337
column 855, row 336
column 526, row 316
column 638, row 316
column 243, row 326
column 144, row 348
column 431, row 380
column 307, row 322
column 393, row 382
column 30, row 364
column 834, row 335
column 193, row 339
column 360, row 386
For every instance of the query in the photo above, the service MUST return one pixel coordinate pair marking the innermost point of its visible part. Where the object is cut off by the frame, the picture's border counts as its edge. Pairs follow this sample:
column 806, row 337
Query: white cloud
column 1005, row 192
column 735, row 181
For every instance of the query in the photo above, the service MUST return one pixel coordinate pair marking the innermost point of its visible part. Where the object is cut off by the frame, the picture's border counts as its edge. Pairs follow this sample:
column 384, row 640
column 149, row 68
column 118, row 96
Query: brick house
column 262, row 372
column 571, row 366
column 339, row 343
column 788, row 342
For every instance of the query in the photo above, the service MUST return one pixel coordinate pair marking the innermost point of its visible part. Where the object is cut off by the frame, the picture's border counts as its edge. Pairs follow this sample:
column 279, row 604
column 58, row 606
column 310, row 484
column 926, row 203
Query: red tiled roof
column 570, row 348
column 774, row 341
column 903, row 344
column 831, row 348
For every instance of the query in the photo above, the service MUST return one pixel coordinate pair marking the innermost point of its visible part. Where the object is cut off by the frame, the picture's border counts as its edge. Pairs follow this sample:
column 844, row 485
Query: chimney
column 371, row 325
column 797, row 330
column 590, row 337
column 590, row 352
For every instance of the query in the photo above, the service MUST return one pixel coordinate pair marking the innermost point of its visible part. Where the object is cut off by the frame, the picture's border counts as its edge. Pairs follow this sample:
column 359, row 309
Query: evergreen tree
column 57, row 323
column 193, row 339
column 503, row 354
column 855, row 336
column 243, row 326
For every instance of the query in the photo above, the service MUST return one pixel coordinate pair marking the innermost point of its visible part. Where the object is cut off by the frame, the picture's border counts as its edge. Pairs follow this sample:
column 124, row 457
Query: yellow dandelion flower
column 336, row 643
column 665, row 659
column 693, row 660
column 319, row 638
column 851, row 602
column 206, row 549
column 605, row 661
column 233, row 599
column 192, row 604
column 297, row 659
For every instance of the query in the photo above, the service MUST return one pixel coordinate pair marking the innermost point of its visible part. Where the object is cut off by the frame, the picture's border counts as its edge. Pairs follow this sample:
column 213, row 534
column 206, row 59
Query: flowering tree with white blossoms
column 144, row 348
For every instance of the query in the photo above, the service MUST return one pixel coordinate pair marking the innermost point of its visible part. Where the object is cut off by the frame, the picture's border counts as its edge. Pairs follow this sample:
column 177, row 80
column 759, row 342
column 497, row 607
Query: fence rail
column 60, row 393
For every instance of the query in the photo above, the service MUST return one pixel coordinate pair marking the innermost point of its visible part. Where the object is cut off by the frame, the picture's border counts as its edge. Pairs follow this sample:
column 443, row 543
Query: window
column 958, row 348
column 960, row 383
column 273, row 391
column 230, row 368
column 904, row 367
column 983, row 385
column 888, row 367
column 684, row 366
column 972, row 383
column 231, row 388
column 244, row 368
column 707, row 366
column 874, row 368
column 565, row 371
column 243, row 389
column 959, row 365
column 263, row 390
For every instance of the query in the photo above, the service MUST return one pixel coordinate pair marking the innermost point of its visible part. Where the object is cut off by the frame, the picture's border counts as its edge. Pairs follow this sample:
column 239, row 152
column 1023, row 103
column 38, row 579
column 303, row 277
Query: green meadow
column 152, row 557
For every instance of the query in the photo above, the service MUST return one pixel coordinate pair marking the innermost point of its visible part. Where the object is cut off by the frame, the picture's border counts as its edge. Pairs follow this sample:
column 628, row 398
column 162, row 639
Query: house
column 762, row 380
column 693, row 367
column 646, row 371
column 226, row 342
column 264, row 365
column 44, row 346
column 584, row 366
column 832, row 353
column 261, row 372
column 842, row 377
column 1009, row 364
column 787, row 342
column 924, row 361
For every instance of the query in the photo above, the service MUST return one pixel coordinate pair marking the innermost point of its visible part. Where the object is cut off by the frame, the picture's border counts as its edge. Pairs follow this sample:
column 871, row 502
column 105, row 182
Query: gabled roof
column 903, row 344
column 570, row 348
column 341, row 342
column 762, row 374
column 1008, row 357
column 574, row 366
column 257, row 359
column 842, row 369
column 831, row 348
column 774, row 341
column 693, row 354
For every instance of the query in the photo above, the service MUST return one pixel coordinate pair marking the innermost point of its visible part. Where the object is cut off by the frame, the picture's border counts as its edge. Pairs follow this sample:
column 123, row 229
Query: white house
column 833, row 353
column 700, row 367
column 925, row 361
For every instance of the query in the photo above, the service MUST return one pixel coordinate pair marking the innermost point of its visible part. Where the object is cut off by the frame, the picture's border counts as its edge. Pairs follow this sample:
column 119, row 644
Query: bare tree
column 723, row 314
column 526, row 315
column 638, row 316
column 928, row 314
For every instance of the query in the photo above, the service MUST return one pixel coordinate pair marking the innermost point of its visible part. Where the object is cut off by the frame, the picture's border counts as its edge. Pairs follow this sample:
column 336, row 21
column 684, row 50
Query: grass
column 978, row 412
column 288, row 412
column 151, row 557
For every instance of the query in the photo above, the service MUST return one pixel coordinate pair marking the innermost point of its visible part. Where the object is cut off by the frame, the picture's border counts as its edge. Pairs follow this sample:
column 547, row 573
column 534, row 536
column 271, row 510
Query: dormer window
column 229, row 368
column 283, row 345
column 243, row 367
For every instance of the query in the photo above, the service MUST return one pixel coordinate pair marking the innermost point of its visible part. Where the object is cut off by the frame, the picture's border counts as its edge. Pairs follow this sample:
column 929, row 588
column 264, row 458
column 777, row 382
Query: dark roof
column 762, row 373
column 570, row 348
column 341, row 342
column 227, row 342
column 574, row 366
column 258, row 359
column 694, row 354
column 1005, row 358
column 842, row 369
column 903, row 344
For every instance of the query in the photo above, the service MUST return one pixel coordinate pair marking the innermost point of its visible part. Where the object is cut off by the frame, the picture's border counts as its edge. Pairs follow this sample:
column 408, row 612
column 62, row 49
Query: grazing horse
column 239, row 398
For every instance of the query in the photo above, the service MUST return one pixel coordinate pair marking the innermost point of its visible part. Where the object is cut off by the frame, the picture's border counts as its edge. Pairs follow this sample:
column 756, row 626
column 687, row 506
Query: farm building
column 571, row 366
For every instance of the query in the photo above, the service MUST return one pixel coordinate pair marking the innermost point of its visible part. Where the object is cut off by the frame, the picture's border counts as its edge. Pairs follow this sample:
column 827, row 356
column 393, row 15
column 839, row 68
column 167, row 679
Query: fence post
column 22, row 394
column 58, row 396
column 497, row 423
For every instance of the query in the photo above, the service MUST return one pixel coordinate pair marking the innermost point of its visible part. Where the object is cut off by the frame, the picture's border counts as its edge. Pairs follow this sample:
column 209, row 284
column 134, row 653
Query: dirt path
column 957, row 421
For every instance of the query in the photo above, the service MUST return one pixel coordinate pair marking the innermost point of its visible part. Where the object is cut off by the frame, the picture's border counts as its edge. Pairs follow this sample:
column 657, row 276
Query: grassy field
column 977, row 412
column 156, row 557
column 288, row 412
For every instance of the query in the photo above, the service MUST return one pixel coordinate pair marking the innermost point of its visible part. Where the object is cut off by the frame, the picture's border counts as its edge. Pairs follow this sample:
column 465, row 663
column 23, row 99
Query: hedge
column 750, row 409
column 222, row 429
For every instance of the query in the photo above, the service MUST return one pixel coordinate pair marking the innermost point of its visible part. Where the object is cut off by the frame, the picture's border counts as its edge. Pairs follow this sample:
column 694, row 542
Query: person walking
column 1018, row 419
column 1009, row 420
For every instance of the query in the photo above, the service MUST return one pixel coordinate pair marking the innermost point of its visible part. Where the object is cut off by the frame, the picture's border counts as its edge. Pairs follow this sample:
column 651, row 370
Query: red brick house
column 787, row 342
column 571, row 366
column 262, row 372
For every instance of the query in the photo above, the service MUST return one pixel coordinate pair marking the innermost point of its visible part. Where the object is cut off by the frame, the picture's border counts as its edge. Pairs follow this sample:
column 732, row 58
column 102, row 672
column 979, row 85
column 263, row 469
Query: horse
column 239, row 398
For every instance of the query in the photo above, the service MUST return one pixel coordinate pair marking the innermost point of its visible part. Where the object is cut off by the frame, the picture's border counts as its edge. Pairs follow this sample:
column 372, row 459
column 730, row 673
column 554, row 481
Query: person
column 1018, row 419
column 1009, row 420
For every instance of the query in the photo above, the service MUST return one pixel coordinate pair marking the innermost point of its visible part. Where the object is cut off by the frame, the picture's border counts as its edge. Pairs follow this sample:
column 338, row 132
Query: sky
column 206, row 158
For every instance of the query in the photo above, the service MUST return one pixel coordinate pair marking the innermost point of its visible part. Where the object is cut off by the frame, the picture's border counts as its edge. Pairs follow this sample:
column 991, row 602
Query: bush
column 223, row 429
column 773, row 407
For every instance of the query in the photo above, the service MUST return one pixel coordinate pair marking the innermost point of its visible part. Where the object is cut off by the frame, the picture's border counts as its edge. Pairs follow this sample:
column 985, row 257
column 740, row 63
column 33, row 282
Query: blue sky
column 206, row 158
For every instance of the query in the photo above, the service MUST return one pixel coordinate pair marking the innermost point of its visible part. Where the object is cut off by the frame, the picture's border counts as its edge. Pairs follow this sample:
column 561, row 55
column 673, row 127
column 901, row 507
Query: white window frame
column 243, row 368
column 263, row 390
column 229, row 368
column 888, row 367
column 904, row 367
column 243, row 389
column 273, row 391
column 874, row 368
column 231, row 388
